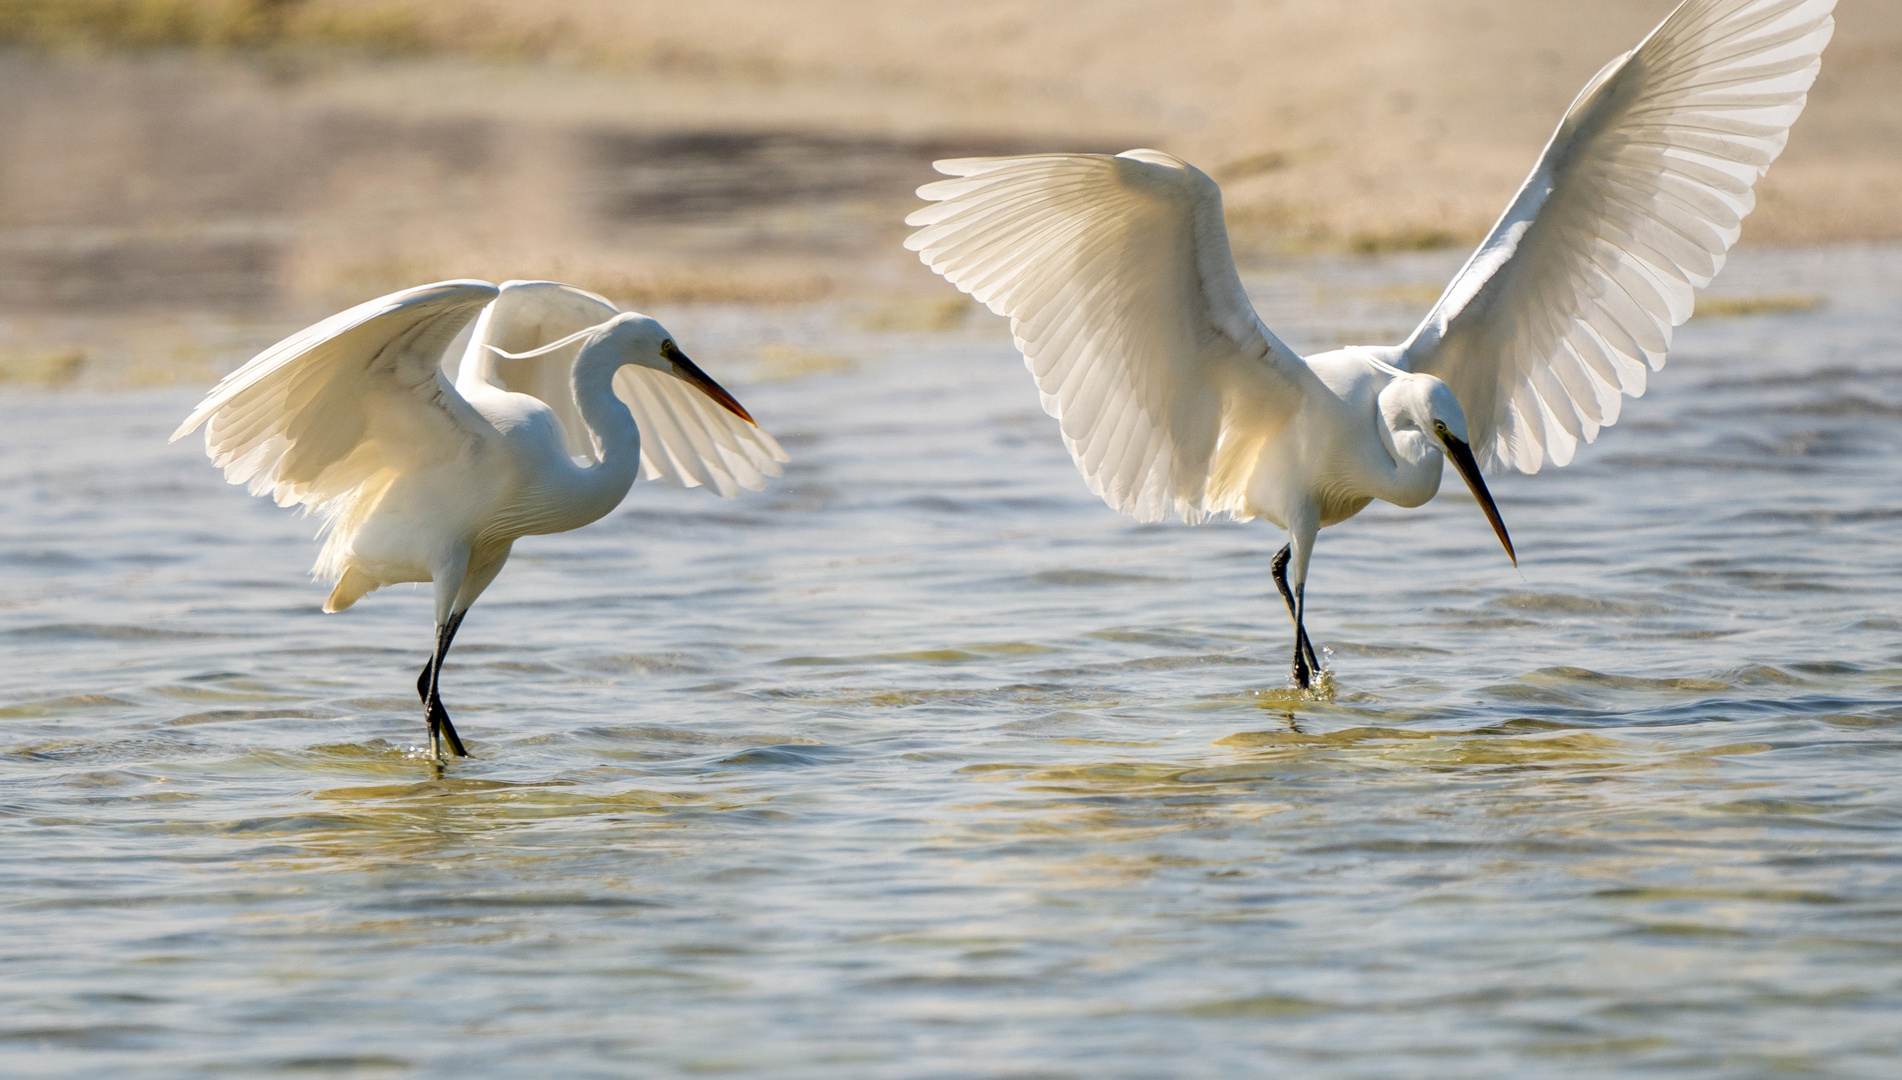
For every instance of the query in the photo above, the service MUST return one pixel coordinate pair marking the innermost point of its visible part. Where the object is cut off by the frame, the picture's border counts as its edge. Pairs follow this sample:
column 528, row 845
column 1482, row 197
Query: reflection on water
column 922, row 763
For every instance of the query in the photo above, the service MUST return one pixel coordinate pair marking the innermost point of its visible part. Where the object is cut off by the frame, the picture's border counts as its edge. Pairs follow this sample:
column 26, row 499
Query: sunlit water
column 922, row 763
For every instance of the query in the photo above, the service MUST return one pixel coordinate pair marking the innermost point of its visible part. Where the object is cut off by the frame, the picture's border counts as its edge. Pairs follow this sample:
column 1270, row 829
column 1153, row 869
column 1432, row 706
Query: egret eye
column 1439, row 428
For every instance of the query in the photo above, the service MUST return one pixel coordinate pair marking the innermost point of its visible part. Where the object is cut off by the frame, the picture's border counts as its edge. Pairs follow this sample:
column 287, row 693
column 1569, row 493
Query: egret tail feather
column 349, row 589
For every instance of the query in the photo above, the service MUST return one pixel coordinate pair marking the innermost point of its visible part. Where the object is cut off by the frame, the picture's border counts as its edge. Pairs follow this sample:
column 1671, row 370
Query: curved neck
column 575, row 496
column 1417, row 460
column 617, row 441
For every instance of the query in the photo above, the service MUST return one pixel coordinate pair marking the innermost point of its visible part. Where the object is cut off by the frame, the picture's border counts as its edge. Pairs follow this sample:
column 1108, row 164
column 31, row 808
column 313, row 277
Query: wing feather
column 1633, row 206
column 312, row 417
column 1122, row 297
column 525, row 316
column 686, row 438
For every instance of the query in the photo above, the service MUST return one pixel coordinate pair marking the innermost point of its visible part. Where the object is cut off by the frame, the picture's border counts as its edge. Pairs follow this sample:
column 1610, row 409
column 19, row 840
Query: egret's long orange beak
column 689, row 371
column 1462, row 456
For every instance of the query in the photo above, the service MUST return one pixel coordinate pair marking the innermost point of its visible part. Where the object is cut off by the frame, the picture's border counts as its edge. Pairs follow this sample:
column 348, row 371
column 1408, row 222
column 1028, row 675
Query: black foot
column 1304, row 646
column 442, row 731
column 455, row 740
column 428, row 687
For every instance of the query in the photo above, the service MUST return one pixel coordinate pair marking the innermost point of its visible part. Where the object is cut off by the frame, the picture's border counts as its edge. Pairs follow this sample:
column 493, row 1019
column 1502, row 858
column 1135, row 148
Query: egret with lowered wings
column 1176, row 401
column 560, row 402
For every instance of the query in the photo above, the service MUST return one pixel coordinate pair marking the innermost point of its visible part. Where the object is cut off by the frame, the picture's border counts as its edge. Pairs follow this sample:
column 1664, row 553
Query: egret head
column 641, row 340
column 633, row 338
column 1424, row 404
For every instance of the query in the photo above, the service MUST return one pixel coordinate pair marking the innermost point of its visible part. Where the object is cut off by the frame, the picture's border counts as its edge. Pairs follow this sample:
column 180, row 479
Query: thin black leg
column 1303, row 674
column 440, row 729
column 1280, row 569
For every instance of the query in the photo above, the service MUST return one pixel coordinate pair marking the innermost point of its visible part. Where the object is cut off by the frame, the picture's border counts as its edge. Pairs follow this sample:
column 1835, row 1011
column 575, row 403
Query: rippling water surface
column 922, row 763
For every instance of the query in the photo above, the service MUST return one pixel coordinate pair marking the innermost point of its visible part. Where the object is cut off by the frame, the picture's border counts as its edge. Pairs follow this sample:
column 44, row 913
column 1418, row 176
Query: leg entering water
column 429, row 688
column 1303, row 673
column 1301, row 643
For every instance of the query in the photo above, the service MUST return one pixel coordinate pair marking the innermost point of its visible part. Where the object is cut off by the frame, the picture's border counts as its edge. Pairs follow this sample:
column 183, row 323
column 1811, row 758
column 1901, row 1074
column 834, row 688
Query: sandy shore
column 747, row 151
column 1355, row 122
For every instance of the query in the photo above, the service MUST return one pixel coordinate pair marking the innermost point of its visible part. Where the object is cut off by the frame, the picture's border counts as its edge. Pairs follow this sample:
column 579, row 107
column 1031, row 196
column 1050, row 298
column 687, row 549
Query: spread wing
column 1123, row 297
column 320, row 412
column 686, row 437
column 1632, row 206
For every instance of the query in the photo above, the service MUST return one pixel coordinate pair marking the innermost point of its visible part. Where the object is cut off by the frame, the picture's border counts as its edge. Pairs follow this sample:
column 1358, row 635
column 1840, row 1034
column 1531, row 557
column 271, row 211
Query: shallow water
column 923, row 763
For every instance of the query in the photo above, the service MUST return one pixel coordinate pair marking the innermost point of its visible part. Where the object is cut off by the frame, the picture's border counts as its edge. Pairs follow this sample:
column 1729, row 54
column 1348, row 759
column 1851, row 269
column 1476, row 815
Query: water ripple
column 923, row 763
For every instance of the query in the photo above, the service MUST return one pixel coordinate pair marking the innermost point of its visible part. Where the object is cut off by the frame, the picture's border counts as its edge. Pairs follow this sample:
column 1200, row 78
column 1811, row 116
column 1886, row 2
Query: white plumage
column 1123, row 298
column 1633, row 205
column 1176, row 401
column 561, row 401
column 687, row 438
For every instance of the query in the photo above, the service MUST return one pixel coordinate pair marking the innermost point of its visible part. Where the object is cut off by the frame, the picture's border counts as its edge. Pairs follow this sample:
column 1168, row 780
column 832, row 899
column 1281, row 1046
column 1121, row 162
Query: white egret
column 421, row 480
column 1176, row 401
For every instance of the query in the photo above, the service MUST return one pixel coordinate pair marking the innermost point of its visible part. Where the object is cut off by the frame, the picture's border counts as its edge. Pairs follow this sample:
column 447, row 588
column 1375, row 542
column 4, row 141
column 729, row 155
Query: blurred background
column 235, row 166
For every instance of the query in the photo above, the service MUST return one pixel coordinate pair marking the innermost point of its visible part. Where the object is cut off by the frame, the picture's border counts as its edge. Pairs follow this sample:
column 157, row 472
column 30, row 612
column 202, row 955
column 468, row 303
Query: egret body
column 561, row 402
column 1177, row 402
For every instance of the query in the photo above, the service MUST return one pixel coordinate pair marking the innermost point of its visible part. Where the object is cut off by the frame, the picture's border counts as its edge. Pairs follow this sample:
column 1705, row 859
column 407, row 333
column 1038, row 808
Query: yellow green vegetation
column 642, row 289
column 1720, row 307
column 57, row 367
column 1375, row 242
column 97, row 25
column 780, row 362
column 1280, row 228
column 639, row 288
column 915, row 313
column 497, row 31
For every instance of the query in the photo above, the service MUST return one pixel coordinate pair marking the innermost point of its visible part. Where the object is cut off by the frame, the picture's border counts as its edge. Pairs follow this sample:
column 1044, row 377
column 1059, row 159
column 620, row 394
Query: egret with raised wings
column 560, row 402
column 1175, row 399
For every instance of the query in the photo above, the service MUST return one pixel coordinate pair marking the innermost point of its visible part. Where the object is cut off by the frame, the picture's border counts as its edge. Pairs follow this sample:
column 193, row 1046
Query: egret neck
column 591, row 492
column 1422, row 425
column 1405, row 419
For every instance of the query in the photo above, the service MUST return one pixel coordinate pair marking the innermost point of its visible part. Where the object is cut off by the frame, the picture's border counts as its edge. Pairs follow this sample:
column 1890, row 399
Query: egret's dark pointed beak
column 1462, row 456
column 690, row 372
